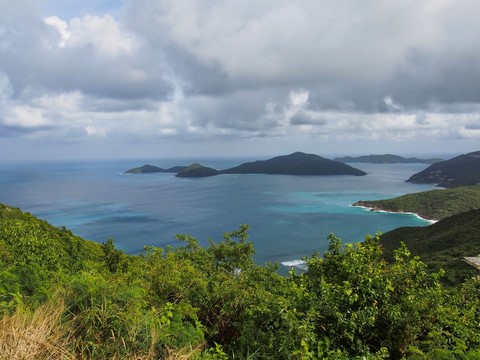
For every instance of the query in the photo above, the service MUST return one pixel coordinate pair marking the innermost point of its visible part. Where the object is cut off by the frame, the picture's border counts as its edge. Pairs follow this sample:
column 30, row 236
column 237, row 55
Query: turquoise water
column 289, row 216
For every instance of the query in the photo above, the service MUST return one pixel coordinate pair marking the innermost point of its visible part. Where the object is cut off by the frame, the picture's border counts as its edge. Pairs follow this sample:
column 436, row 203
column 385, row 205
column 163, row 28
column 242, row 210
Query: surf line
column 395, row 212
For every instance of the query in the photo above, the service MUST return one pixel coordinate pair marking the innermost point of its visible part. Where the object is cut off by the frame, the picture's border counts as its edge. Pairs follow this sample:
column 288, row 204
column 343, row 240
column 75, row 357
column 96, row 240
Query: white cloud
column 96, row 131
column 272, row 69
column 62, row 28
column 103, row 33
column 26, row 117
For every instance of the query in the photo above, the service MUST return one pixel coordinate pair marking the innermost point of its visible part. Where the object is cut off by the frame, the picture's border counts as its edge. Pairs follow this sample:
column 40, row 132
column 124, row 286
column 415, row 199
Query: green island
column 386, row 159
column 62, row 297
column 463, row 170
column 196, row 170
column 297, row 163
column 149, row 169
column 432, row 205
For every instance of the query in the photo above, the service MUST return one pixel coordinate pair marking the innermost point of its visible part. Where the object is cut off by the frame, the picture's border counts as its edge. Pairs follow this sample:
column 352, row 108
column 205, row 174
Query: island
column 297, row 163
column 386, row 159
column 149, row 169
column 462, row 170
column 197, row 170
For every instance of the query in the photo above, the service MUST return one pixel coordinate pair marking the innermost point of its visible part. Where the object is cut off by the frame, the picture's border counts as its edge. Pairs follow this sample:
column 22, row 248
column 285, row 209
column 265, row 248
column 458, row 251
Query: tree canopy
column 214, row 302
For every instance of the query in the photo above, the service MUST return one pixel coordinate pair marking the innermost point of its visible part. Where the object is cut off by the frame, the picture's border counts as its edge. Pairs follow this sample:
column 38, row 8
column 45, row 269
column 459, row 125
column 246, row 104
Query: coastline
column 431, row 221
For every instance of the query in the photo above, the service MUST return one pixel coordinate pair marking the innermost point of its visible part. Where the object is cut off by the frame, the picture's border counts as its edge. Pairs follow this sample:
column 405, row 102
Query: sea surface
column 289, row 216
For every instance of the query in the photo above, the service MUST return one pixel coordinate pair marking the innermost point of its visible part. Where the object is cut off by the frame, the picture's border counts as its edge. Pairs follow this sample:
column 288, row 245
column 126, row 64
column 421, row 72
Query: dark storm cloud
column 303, row 118
column 473, row 126
column 346, row 69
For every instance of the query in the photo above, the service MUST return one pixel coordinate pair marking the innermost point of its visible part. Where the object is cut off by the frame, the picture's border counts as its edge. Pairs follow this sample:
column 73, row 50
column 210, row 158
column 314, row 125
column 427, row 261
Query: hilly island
column 386, row 159
column 297, row 163
column 459, row 171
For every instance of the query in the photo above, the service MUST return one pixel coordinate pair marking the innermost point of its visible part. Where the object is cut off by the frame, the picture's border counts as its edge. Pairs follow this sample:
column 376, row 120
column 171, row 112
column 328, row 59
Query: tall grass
column 43, row 333
column 37, row 334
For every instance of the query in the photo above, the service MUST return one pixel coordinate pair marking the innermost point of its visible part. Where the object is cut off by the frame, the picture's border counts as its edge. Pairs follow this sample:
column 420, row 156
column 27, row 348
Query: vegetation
column 147, row 169
column 433, row 204
column 463, row 170
column 386, row 159
column 297, row 163
column 63, row 298
column 441, row 245
column 197, row 170
column 294, row 164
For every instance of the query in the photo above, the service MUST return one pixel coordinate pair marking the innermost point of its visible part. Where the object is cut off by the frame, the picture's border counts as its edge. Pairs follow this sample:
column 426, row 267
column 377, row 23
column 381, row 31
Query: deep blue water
column 289, row 216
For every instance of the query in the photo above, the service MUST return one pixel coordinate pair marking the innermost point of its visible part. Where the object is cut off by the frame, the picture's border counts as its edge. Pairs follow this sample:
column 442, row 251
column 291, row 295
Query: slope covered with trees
column 441, row 245
column 463, row 170
column 433, row 204
column 65, row 298
column 297, row 163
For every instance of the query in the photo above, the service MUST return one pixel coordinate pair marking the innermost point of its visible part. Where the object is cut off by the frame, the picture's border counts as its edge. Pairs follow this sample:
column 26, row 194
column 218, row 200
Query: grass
column 37, row 334
column 44, row 334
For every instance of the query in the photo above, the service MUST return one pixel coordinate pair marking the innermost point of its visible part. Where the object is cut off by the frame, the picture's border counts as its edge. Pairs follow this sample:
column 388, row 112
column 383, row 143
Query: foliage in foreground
column 215, row 303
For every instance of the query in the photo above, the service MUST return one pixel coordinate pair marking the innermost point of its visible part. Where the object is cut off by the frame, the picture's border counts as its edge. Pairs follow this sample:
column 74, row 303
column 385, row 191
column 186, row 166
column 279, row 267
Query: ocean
column 289, row 216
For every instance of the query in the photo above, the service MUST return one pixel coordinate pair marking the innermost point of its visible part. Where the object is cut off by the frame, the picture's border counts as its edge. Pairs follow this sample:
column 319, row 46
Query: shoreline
column 431, row 221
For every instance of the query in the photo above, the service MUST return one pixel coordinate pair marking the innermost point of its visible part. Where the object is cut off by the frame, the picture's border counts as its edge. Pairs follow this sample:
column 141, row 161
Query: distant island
column 462, row 170
column 386, row 159
column 197, row 170
column 149, row 169
column 297, row 163
column 432, row 205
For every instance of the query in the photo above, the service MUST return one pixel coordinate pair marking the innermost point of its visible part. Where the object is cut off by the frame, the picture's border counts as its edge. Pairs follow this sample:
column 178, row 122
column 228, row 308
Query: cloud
column 202, row 70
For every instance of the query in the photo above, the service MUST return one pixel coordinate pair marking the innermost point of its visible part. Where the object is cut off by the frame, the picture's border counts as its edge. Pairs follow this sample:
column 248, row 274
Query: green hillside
column 197, row 170
column 441, row 245
column 463, row 170
column 433, row 204
column 297, row 163
column 62, row 297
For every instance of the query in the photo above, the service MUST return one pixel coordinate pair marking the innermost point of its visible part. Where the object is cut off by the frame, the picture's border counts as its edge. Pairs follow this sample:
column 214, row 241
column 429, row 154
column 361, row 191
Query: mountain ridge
column 386, row 159
column 463, row 170
column 297, row 163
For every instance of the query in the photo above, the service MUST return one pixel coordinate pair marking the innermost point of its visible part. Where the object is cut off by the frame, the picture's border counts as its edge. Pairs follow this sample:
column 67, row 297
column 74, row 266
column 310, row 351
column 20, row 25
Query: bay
column 289, row 216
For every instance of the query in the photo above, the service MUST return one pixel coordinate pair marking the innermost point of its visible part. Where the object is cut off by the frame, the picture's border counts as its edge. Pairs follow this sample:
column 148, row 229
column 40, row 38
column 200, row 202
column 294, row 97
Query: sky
column 169, row 78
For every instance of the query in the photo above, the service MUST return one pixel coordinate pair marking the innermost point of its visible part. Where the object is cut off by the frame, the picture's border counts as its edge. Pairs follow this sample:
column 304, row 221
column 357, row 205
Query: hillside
column 441, row 245
column 433, row 204
column 148, row 169
column 295, row 164
column 386, row 159
column 463, row 170
column 197, row 170
column 57, row 247
column 62, row 297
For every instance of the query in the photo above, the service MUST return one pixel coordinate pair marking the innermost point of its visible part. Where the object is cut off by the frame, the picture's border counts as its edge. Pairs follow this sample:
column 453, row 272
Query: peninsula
column 432, row 204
